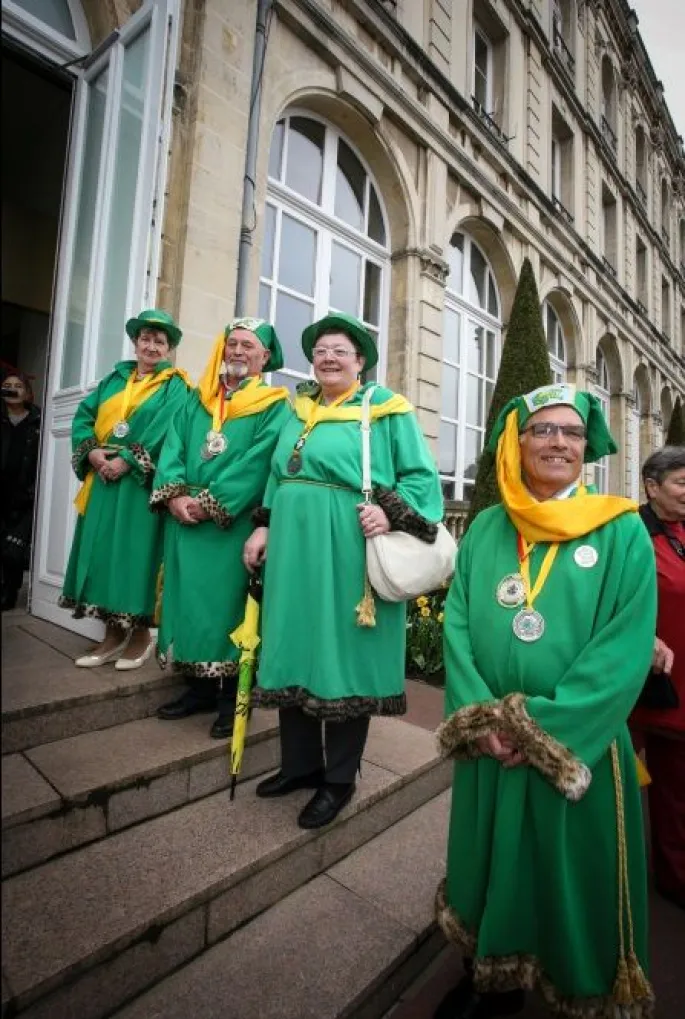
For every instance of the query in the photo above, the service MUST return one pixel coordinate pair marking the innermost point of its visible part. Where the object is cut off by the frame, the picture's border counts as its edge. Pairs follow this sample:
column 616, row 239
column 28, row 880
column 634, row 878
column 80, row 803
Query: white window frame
column 469, row 314
column 603, row 394
column 489, row 78
column 556, row 167
column 634, row 424
column 38, row 37
column 558, row 365
column 329, row 229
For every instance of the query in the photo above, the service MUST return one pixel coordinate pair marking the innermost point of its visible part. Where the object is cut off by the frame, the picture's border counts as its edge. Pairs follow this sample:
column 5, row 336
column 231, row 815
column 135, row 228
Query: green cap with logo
column 154, row 318
column 265, row 333
column 562, row 394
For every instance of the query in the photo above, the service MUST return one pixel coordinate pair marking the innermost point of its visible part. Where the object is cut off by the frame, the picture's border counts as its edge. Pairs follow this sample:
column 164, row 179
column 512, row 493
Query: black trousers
column 219, row 693
column 307, row 745
column 12, row 579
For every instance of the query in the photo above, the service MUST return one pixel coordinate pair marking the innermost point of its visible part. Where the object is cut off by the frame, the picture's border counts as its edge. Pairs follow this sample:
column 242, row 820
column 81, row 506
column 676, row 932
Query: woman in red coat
column 660, row 729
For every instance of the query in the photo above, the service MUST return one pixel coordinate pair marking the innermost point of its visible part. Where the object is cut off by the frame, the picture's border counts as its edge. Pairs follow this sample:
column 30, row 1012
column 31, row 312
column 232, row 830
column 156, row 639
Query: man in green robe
column 549, row 630
column 212, row 473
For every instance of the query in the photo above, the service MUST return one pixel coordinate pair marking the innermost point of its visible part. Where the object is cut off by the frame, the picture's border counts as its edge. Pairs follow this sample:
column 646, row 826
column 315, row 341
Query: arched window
column 470, row 359
column 608, row 109
column 641, row 164
column 326, row 243
column 603, row 392
column 57, row 29
column 555, row 342
column 665, row 212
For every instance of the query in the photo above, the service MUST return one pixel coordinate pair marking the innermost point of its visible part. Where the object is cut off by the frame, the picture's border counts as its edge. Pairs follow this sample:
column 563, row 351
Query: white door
column 108, row 258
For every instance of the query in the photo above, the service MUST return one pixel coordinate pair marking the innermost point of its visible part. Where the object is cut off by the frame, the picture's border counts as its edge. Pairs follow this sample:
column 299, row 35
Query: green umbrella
column 246, row 637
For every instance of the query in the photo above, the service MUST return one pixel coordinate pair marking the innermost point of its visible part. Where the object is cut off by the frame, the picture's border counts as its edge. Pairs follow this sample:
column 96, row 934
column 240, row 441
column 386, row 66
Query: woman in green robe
column 117, row 434
column 549, row 630
column 321, row 661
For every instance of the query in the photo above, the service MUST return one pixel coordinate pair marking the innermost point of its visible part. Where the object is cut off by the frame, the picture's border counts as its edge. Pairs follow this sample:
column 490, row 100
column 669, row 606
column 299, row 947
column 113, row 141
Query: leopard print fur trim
column 458, row 734
column 161, row 496
column 403, row 518
column 221, row 517
column 340, row 710
column 261, row 516
column 566, row 773
column 206, row 670
column 125, row 620
column 142, row 458
column 511, row 972
column 82, row 451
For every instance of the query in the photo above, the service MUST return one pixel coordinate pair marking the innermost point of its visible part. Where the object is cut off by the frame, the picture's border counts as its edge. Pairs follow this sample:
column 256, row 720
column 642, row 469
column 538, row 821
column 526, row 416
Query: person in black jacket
column 20, row 444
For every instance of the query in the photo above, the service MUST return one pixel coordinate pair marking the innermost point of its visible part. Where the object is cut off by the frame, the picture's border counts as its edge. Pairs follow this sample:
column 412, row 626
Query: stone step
column 86, row 932
column 46, row 698
column 60, row 795
column 345, row 944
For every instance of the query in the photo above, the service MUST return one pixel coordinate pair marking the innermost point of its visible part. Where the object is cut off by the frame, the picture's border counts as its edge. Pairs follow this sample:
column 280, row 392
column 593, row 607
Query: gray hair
column 662, row 463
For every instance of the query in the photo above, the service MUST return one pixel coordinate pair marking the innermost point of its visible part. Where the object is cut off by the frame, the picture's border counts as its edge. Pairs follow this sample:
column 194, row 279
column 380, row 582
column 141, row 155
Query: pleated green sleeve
column 83, row 430
column 417, row 479
column 150, row 426
column 170, row 475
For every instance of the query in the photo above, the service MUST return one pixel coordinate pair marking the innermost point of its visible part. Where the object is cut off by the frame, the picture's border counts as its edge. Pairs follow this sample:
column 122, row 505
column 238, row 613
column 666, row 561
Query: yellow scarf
column 252, row 398
column 555, row 519
column 118, row 408
column 311, row 411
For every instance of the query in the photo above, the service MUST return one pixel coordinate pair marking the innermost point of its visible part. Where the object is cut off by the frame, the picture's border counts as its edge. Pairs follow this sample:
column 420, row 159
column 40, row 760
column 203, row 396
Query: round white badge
column 585, row 556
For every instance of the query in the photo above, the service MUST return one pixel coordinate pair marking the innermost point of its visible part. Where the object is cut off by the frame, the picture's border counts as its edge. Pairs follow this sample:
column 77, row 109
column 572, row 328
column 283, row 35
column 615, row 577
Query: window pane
column 292, row 317
column 474, row 401
column 450, row 336
column 476, row 348
column 372, row 293
column 297, row 256
column 276, row 150
column 481, row 54
column 376, row 226
column 489, row 390
column 269, row 242
column 349, row 187
column 448, row 489
column 455, row 257
column 119, row 240
column 346, row 269
column 281, row 379
column 264, row 301
column 449, row 385
column 80, row 269
column 491, row 363
column 305, row 157
column 478, row 274
column 471, row 453
column 493, row 300
column 54, row 13
column 447, row 448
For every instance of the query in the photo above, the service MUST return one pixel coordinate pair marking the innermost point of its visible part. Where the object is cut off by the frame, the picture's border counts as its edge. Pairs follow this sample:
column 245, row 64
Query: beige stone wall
column 439, row 168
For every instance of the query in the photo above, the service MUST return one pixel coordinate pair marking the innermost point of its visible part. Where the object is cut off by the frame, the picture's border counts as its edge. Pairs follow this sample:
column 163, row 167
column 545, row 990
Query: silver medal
column 586, row 556
column 217, row 444
column 204, row 453
column 121, row 430
column 510, row 591
column 528, row 625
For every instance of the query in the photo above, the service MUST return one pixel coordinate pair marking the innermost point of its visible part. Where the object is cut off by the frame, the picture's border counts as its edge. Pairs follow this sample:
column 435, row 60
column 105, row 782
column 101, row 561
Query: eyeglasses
column 340, row 352
column 549, row 429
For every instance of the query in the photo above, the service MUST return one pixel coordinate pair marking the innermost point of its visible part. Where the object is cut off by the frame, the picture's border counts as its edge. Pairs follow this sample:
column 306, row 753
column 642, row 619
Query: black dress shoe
column 280, row 785
column 187, row 704
column 222, row 727
column 455, row 999
column 325, row 805
column 481, row 1006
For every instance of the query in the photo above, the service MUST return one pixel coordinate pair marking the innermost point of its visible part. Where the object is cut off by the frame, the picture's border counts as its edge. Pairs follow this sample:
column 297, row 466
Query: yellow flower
column 422, row 601
column 425, row 611
column 441, row 616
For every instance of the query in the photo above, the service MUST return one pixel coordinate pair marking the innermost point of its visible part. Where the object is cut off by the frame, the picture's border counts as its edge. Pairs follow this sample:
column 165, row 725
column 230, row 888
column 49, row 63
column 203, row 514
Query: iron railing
column 560, row 207
column 609, row 266
column 609, row 134
column 490, row 123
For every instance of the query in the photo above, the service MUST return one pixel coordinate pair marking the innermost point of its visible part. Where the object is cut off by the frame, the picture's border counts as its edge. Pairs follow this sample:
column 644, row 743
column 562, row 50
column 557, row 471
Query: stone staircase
column 133, row 887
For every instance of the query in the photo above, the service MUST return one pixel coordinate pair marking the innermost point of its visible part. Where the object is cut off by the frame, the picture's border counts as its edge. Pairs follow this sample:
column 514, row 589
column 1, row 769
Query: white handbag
column 399, row 566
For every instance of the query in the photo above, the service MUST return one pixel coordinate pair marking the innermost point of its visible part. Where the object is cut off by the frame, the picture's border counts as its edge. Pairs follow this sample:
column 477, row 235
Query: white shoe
column 92, row 661
column 123, row 664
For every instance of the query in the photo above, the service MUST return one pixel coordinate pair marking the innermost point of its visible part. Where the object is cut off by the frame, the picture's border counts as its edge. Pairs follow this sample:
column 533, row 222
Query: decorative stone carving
column 657, row 135
column 629, row 73
column 434, row 267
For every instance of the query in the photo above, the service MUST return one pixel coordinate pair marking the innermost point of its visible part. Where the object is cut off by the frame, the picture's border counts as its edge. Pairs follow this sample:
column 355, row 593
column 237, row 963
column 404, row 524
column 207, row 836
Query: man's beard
column 236, row 370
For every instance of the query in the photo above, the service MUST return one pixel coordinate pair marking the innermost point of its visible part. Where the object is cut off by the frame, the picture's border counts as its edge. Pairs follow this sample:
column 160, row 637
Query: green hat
column 352, row 327
column 265, row 333
column 563, row 394
column 155, row 318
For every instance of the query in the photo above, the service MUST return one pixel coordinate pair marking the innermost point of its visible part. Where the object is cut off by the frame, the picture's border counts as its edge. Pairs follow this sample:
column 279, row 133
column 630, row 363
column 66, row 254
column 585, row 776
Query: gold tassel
column 159, row 588
column 366, row 609
column 622, row 990
column 639, row 984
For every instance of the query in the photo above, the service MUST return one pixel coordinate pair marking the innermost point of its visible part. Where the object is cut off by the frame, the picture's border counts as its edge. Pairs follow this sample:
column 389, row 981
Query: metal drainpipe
column 248, row 214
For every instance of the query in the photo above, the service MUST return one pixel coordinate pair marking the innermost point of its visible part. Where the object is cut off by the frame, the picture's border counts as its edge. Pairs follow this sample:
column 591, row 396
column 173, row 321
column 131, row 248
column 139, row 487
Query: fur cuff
column 261, row 516
column 457, row 735
column 221, row 517
column 142, row 458
column 80, row 453
column 452, row 927
column 161, row 496
column 558, row 765
column 403, row 518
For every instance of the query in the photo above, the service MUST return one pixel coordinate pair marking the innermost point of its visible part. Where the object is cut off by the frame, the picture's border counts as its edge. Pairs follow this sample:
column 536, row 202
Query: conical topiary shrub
column 524, row 366
column 675, row 436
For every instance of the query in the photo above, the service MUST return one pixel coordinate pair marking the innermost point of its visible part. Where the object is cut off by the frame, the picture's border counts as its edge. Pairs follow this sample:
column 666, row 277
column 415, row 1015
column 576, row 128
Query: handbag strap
column 365, row 427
